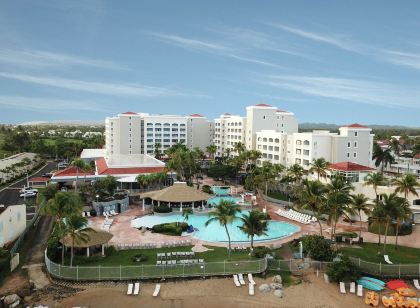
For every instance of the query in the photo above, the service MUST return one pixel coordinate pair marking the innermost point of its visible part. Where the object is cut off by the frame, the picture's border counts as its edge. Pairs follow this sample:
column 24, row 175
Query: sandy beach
column 220, row 292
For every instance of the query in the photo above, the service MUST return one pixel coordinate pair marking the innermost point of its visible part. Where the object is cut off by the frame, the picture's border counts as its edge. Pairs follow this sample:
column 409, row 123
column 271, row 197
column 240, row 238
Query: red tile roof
column 349, row 166
column 103, row 169
column 39, row 179
column 196, row 115
column 263, row 105
column 417, row 156
column 129, row 112
column 356, row 125
column 72, row 171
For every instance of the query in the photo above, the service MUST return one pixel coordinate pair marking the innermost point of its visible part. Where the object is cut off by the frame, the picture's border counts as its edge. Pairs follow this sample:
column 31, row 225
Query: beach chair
column 83, row 214
column 251, row 289
column 130, row 289
column 359, row 290
column 386, row 258
column 157, row 290
column 342, row 288
column 416, row 284
column 200, row 260
column 136, row 288
column 236, row 280
column 88, row 214
column 352, row 287
column 251, row 279
column 241, row 279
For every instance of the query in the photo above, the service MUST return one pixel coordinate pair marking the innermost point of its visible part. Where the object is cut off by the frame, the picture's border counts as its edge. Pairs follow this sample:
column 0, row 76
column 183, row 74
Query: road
column 10, row 195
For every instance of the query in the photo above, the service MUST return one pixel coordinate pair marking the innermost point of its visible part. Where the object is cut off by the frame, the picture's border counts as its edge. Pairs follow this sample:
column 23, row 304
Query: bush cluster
column 261, row 251
column 207, row 189
column 171, row 228
column 162, row 209
column 343, row 270
column 318, row 248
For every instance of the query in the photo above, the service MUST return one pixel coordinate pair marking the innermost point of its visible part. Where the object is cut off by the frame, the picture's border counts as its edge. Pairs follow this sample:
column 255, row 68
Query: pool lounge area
column 214, row 232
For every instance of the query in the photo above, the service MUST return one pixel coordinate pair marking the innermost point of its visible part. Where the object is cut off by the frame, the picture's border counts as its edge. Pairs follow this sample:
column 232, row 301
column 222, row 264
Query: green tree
column 344, row 270
column 110, row 184
column 360, row 203
column 406, row 185
column 254, row 224
column 392, row 206
column 211, row 150
column 186, row 212
column 378, row 216
column 312, row 196
column 320, row 166
column 79, row 165
column 224, row 214
column 296, row 172
column 157, row 150
column 382, row 157
column 375, row 179
column 75, row 228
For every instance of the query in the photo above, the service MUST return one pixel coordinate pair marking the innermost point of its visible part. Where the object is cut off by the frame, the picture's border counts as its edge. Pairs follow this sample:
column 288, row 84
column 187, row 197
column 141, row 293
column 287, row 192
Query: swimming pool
column 215, row 232
column 221, row 190
column 216, row 200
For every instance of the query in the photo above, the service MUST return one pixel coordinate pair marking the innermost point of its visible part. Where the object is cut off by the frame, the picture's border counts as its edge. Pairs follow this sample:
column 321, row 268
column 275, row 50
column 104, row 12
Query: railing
column 92, row 273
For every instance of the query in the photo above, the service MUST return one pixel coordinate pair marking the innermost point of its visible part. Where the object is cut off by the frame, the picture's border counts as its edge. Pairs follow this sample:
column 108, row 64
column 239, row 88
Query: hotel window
column 276, row 140
column 306, row 152
column 264, row 117
column 298, row 151
column 265, row 139
column 349, row 144
column 270, row 140
column 355, row 134
column 270, row 148
column 298, row 142
column 348, row 155
column 306, row 142
column 355, row 154
column 355, row 144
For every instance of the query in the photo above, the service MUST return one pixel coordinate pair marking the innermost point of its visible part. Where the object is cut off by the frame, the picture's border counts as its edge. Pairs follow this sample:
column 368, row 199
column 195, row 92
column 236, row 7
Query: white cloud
column 116, row 89
column 209, row 47
column 410, row 60
column 46, row 59
column 354, row 90
column 48, row 104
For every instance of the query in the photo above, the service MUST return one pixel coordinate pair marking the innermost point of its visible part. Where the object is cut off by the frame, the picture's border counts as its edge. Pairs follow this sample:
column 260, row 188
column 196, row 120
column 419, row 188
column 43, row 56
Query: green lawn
column 124, row 257
column 278, row 195
column 53, row 141
column 369, row 252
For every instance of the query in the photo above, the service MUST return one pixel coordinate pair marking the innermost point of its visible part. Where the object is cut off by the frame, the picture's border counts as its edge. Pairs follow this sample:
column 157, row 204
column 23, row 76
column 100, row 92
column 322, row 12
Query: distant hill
column 64, row 123
column 329, row 126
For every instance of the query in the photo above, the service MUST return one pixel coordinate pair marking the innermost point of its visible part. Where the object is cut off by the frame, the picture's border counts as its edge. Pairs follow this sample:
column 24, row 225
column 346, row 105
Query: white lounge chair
column 83, row 214
column 416, row 284
column 130, row 289
column 352, row 287
column 136, row 288
column 88, row 214
column 241, row 279
column 342, row 288
column 251, row 279
column 251, row 289
column 236, row 280
column 157, row 290
column 386, row 258
column 359, row 290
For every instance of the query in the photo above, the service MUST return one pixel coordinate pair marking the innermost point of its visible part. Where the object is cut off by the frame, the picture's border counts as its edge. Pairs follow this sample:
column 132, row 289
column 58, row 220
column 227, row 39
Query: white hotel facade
column 137, row 133
column 265, row 128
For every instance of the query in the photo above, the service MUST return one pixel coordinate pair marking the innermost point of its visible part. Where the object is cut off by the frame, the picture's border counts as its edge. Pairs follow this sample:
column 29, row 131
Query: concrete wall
column 12, row 223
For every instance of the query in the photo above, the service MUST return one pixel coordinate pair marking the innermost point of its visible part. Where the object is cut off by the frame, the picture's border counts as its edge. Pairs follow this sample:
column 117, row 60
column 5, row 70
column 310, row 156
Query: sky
column 327, row 61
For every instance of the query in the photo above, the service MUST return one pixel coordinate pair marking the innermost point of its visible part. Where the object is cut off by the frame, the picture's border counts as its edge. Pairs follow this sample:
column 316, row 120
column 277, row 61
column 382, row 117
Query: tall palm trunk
column 319, row 223
column 386, row 233
column 360, row 219
column 397, row 229
column 71, row 252
column 227, row 232
column 252, row 242
column 77, row 179
column 379, row 232
column 62, row 254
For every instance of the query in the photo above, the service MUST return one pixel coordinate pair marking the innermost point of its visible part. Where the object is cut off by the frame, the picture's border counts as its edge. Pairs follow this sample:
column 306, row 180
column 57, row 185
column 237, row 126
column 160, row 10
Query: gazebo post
column 143, row 203
column 88, row 251
column 181, row 207
column 103, row 250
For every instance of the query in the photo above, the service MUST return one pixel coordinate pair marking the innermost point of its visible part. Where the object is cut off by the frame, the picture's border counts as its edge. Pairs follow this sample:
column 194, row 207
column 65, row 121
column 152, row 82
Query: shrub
column 343, row 270
column 207, row 189
column 318, row 248
column 4, row 262
column 406, row 228
column 172, row 228
column 93, row 213
column 162, row 209
column 261, row 251
column 139, row 258
column 110, row 250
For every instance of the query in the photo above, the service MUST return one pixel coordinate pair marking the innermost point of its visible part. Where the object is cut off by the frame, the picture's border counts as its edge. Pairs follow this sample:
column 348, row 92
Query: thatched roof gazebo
column 94, row 238
column 179, row 193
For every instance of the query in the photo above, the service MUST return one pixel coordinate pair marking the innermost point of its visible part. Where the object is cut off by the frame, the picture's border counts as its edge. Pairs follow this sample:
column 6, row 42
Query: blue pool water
column 216, row 200
column 221, row 191
column 214, row 232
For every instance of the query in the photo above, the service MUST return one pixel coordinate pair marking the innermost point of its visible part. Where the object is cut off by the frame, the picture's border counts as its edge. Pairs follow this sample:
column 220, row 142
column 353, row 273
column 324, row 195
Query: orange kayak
column 388, row 302
column 372, row 299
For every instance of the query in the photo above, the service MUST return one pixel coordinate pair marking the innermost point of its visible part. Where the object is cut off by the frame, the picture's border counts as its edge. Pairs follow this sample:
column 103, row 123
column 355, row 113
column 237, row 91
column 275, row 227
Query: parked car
column 62, row 164
column 28, row 189
column 47, row 175
column 28, row 194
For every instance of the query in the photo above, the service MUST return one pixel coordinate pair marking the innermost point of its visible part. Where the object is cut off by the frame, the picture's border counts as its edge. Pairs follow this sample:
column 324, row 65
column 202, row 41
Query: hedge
column 172, row 228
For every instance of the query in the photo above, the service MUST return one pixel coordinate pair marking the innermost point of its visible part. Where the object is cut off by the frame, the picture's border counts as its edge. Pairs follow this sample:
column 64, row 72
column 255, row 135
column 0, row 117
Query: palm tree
column 224, row 214
column 395, row 146
column 375, row 179
column 338, row 200
column 391, row 206
column 254, row 224
column 61, row 206
column 378, row 215
column 75, row 229
column 79, row 165
column 382, row 157
column 211, row 149
column 406, row 184
column 157, row 150
column 402, row 213
column 360, row 203
column 186, row 212
column 297, row 172
column 319, row 166
column 239, row 148
column 312, row 196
